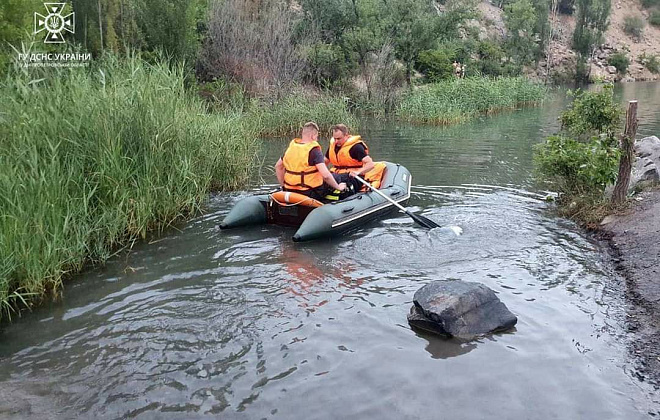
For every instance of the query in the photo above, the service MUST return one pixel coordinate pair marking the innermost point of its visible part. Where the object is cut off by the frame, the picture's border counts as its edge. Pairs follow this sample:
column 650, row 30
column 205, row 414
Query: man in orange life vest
column 349, row 156
column 302, row 168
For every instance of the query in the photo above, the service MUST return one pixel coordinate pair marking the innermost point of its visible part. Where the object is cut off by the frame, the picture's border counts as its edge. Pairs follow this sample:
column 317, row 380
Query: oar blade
column 423, row 221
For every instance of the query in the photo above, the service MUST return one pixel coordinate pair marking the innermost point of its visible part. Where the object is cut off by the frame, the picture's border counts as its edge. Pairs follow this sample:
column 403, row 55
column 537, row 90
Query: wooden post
column 627, row 146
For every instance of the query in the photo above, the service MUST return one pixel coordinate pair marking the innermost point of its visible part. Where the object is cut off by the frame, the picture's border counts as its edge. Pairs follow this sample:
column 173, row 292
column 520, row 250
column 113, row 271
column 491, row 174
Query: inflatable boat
column 320, row 220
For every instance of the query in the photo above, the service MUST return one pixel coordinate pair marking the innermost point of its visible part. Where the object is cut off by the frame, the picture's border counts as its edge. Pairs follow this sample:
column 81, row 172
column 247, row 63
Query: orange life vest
column 342, row 162
column 299, row 175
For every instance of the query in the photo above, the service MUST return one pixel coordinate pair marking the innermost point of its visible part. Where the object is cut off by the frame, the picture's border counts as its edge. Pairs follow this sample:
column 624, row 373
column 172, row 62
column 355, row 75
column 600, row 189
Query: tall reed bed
column 458, row 100
column 91, row 159
column 288, row 114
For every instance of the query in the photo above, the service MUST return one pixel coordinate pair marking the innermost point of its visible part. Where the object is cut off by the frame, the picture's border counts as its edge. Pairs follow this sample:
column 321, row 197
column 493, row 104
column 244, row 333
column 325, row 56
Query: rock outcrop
column 646, row 168
column 460, row 309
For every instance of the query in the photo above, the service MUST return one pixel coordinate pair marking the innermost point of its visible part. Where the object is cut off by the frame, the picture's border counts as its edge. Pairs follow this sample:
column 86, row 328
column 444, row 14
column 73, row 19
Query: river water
column 246, row 324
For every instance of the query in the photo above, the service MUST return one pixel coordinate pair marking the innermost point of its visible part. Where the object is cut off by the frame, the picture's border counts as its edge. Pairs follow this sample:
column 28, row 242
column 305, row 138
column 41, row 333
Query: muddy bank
column 634, row 240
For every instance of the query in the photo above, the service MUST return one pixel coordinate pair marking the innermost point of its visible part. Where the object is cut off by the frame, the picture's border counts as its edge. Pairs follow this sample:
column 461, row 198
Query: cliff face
column 560, row 59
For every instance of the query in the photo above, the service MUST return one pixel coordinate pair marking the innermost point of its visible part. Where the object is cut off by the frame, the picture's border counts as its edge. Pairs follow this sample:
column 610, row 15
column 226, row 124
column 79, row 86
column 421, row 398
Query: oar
column 427, row 223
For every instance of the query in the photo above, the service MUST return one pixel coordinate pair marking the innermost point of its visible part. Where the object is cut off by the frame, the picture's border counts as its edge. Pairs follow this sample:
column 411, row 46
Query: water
column 201, row 323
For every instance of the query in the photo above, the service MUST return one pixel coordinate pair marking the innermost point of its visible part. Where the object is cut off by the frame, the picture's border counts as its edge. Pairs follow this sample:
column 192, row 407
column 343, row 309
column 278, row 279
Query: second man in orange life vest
column 349, row 156
column 302, row 168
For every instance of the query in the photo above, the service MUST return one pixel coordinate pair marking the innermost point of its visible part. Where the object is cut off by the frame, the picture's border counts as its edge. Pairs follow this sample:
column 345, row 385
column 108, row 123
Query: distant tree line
column 377, row 44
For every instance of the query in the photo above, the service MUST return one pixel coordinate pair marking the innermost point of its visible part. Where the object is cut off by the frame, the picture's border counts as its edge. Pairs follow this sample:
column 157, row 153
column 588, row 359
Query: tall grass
column 91, row 159
column 287, row 115
column 459, row 100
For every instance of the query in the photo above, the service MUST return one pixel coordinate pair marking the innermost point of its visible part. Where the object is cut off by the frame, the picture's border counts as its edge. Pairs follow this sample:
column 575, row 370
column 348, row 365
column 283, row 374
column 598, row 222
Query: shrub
column 566, row 7
column 654, row 18
column 651, row 62
column 326, row 65
column 577, row 166
column 620, row 61
column 650, row 3
column 634, row 26
column 491, row 61
column 591, row 114
column 583, row 157
column 436, row 64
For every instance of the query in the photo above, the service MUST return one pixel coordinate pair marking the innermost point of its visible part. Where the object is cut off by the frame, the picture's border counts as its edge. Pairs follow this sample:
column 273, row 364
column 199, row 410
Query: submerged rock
column 460, row 309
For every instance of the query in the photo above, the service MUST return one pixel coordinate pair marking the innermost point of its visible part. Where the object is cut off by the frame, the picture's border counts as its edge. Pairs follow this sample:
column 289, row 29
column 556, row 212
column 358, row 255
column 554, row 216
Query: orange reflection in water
column 311, row 279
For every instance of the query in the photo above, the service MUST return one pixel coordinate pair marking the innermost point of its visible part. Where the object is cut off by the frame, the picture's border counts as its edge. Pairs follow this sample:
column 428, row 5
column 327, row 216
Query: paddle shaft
column 376, row 190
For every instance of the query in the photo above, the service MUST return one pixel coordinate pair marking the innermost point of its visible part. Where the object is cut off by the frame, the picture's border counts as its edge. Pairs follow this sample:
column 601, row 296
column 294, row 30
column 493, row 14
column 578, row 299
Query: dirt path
column 635, row 242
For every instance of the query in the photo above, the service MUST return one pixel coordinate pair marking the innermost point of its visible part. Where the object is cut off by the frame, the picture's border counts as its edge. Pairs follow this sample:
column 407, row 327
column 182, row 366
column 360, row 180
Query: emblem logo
column 54, row 23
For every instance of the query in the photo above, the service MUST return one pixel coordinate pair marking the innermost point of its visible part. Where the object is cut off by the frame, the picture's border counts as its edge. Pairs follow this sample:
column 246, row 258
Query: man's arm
column 367, row 165
column 279, row 171
column 328, row 178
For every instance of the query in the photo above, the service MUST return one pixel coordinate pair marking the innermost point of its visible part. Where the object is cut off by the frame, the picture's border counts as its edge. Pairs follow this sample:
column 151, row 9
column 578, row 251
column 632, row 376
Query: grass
column 458, row 100
column 92, row 159
column 654, row 18
column 634, row 26
column 287, row 115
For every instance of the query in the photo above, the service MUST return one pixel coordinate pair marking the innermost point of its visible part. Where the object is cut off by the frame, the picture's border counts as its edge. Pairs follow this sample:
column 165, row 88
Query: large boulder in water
column 458, row 308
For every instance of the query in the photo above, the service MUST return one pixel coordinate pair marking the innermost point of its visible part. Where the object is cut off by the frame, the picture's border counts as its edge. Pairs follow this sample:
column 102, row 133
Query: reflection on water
column 202, row 323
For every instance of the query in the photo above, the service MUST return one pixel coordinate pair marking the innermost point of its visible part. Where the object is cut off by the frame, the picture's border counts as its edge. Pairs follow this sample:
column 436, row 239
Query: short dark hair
column 340, row 127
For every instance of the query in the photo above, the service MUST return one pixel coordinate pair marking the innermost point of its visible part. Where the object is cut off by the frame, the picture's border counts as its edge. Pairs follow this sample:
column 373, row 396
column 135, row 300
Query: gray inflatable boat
column 326, row 220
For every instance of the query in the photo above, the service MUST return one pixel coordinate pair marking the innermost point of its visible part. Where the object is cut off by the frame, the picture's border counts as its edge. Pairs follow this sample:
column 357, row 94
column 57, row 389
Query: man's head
column 340, row 133
column 310, row 131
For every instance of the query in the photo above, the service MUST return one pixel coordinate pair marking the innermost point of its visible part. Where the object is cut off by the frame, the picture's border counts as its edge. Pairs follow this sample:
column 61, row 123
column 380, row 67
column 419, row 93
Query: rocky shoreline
column 634, row 242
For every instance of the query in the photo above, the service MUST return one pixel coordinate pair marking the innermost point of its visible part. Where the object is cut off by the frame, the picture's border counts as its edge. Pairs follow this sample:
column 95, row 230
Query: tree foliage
column 172, row 26
column 584, row 156
column 520, row 19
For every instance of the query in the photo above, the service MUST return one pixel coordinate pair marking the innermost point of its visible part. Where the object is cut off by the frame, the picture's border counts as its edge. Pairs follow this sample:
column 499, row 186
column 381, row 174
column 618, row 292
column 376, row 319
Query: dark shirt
column 315, row 156
column 357, row 152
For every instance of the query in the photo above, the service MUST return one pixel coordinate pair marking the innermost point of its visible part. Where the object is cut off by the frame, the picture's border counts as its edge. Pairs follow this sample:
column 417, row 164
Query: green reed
column 288, row 114
column 459, row 100
column 92, row 159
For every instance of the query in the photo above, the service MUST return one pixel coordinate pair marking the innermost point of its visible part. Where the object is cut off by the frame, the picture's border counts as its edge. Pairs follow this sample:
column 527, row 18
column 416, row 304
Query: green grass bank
column 458, row 100
column 92, row 159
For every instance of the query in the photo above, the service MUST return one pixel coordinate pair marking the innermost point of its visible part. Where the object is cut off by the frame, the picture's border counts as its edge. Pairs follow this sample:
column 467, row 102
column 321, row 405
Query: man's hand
column 342, row 186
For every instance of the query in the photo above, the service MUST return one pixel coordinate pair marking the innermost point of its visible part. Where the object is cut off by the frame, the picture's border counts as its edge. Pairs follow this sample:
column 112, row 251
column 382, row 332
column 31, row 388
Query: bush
column 620, row 61
column 436, row 64
column 634, row 26
column 654, row 18
column 650, row 3
column 651, row 62
column 566, row 7
column 491, row 61
column 591, row 114
column 583, row 158
column 326, row 65
column 576, row 166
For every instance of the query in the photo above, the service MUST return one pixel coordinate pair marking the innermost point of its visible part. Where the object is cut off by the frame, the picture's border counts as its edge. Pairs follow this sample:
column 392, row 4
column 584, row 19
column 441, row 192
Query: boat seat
column 288, row 198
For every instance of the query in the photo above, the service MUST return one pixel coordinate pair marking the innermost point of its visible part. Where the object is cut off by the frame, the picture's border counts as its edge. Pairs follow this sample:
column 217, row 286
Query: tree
column 520, row 19
column 591, row 23
column 412, row 29
column 15, row 25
